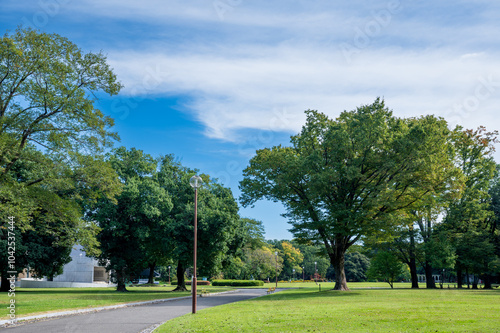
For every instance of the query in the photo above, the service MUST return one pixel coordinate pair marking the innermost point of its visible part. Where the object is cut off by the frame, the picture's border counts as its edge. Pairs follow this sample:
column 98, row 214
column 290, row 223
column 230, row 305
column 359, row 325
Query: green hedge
column 198, row 283
column 238, row 283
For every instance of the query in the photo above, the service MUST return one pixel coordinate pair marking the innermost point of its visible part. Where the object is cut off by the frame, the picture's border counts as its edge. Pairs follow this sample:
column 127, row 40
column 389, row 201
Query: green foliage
column 344, row 179
column 47, row 91
column 385, row 266
column 313, row 254
column 198, row 283
column 262, row 263
column 133, row 220
column 469, row 218
column 218, row 219
column 356, row 266
column 238, row 283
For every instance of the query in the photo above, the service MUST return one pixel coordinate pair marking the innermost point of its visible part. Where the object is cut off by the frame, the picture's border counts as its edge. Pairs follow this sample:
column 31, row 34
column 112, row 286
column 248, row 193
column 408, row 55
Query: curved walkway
column 132, row 319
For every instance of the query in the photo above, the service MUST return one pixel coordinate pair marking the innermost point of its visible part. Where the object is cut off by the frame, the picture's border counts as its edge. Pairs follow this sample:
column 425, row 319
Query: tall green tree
column 494, row 230
column 47, row 93
column 217, row 220
column 344, row 179
column 467, row 216
column 385, row 266
column 128, row 224
column 249, row 236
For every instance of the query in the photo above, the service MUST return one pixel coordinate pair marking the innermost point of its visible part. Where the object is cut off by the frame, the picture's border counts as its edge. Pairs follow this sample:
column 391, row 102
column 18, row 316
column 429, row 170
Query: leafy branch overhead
column 48, row 87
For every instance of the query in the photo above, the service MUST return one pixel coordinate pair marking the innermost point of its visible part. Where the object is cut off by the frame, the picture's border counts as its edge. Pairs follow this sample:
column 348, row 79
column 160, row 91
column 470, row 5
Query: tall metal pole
column 303, row 274
column 168, row 274
column 194, row 283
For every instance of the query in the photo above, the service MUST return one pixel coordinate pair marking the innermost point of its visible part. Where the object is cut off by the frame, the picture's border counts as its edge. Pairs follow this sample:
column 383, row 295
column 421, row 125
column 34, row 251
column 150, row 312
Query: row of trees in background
column 151, row 222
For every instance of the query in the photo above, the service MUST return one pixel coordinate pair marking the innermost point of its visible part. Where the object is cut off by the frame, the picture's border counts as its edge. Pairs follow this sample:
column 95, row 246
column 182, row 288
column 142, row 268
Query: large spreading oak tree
column 343, row 179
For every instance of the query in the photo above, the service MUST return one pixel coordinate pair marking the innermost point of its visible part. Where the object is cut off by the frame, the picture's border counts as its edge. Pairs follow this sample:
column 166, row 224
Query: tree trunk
column 338, row 266
column 429, row 280
column 181, row 283
column 413, row 273
column 467, row 277
column 120, row 281
column 413, row 261
column 460, row 280
column 151, row 277
column 474, row 282
column 5, row 283
column 487, row 282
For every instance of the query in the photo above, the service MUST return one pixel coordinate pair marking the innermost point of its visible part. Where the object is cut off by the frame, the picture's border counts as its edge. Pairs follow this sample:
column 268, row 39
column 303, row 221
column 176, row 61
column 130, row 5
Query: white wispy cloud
column 234, row 91
column 243, row 62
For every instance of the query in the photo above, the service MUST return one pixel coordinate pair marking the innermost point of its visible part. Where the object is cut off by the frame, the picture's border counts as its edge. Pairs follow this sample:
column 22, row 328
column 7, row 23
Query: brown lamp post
column 196, row 183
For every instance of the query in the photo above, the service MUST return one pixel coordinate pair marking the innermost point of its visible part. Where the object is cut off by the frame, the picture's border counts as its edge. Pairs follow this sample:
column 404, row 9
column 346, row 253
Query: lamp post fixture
column 303, row 275
column 294, row 273
column 276, row 254
column 195, row 183
column 168, row 274
column 315, row 272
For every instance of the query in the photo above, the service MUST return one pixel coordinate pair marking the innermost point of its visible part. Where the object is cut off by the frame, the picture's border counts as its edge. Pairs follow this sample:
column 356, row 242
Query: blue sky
column 211, row 81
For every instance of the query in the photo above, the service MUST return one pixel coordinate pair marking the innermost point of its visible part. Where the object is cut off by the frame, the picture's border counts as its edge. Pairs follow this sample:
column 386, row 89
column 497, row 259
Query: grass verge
column 32, row 301
column 359, row 310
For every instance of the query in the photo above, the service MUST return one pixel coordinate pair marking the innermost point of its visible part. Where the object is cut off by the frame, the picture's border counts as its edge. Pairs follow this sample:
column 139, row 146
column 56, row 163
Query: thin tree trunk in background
column 151, row 277
column 413, row 261
column 460, row 280
column 181, row 282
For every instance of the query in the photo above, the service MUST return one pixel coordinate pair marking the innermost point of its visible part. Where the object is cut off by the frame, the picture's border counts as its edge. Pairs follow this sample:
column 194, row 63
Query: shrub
column 198, row 283
column 238, row 283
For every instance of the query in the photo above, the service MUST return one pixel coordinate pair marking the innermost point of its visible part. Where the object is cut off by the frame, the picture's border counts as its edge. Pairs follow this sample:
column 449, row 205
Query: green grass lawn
column 358, row 310
column 351, row 285
column 30, row 301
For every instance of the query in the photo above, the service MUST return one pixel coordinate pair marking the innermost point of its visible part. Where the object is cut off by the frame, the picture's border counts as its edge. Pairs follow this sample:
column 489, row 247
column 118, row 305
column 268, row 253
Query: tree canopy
column 50, row 137
column 343, row 179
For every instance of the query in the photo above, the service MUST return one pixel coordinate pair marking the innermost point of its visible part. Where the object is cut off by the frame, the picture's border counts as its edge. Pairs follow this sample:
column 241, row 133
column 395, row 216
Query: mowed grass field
column 366, row 308
column 31, row 301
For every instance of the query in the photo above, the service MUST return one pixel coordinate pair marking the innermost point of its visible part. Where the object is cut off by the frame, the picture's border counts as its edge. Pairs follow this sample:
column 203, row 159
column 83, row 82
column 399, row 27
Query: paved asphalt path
column 133, row 319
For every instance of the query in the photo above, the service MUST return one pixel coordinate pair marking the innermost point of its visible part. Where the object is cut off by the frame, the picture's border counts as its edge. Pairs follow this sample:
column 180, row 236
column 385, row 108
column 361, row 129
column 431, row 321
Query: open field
column 359, row 310
column 30, row 301
column 351, row 285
